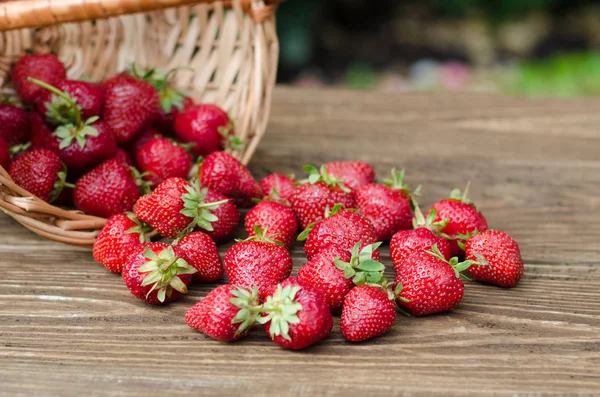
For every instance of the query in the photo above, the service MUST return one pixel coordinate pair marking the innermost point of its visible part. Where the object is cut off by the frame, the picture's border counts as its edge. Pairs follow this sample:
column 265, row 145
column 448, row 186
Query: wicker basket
column 231, row 47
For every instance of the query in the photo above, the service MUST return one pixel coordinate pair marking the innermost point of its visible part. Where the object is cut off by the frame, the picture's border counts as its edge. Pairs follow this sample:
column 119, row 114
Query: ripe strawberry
column 465, row 219
column 427, row 283
column 124, row 157
column 14, row 124
column 109, row 189
column 353, row 174
column 156, row 273
column 296, row 315
column 226, row 313
column 166, row 120
column 121, row 234
column 208, row 126
column 277, row 187
column 88, row 96
column 200, row 252
column 317, row 193
column 177, row 207
column 334, row 271
column 369, row 311
column 497, row 256
column 40, row 172
column 130, row 106
column 140, row 140
column 426, row 234
column 341, row 228
column 160, row 158
column 45, row 67
column 277, row 220
column 222, row 172
column 388, row 207
column 4, row 155
column 257, row 261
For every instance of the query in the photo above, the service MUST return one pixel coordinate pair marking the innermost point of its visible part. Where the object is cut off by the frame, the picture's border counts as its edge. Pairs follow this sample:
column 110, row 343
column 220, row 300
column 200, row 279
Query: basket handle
column 17, row 14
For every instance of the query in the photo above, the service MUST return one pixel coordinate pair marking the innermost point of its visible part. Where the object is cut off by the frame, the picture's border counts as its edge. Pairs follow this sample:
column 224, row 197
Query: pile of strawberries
column 343, row 214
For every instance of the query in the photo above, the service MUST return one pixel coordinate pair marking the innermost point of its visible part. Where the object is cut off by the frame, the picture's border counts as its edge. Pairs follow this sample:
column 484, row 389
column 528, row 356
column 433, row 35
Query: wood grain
column 67, row 327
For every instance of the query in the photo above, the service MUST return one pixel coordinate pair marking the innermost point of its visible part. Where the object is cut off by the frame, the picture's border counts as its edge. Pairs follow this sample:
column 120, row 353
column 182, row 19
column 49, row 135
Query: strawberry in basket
column 44, row 67
column 14, row 124
column 160, row 158
column 4, row 154
column 88, row 96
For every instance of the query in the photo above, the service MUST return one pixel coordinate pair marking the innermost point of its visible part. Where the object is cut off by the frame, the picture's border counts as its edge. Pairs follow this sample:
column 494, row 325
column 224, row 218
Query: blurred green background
column 521, row 47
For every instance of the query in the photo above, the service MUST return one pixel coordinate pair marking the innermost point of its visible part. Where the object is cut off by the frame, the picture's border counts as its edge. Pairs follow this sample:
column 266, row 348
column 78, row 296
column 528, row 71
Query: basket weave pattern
column 227, row 52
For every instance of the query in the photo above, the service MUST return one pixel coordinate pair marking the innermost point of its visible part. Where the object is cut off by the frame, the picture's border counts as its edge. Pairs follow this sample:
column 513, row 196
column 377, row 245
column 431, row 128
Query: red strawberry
column 353, row 174
column 109, row 189
column 160, row 158
column 257, row 261
column 124, row 157
column 121, row 234
column 130, row 106
column 208, row 126
column 317, row 193
column 369, row 311
column 388, row 207
column 497, row 258
column 296, row 315
column 88, row 96
column 45, row 67
column 425, row 234
column 341, row 228
column 166, row 121
column 277, row 220
column 140, row 140
column 14, row 124
column 156, row 273
column 40, row 172
column 277, row 187
column 200, row 252
column 225, row 314
column 426, row 283
column 4, row 154
column 464, row 217
column 176, row 207
column 222, row 172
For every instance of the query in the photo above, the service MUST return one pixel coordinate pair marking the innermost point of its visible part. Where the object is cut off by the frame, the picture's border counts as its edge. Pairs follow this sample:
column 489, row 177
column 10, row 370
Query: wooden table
column 68, row 327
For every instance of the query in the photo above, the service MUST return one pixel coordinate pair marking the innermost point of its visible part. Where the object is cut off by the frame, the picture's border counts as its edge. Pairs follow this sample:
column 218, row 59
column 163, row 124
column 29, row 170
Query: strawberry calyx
column 458, row 267
column 169, row 97
column 281, row 310
column 462, row 238
column 463, row 196
column 16, row 149
column 248, row 303
column 396, row 294
column 140, row 228
column 143, row 185
column 231, row 141
column 195, row 207
column 60, row 183
column 362, row 268
column 316, row 175
column 396, row 182
column 430, row 223
column 261, row 236
column 71, row 128
column 163, row 271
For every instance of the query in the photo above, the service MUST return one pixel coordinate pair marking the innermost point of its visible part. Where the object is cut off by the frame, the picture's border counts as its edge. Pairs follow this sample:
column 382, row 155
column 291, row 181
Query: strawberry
column 257, row 261
column 317, row 193
column 140, row 140
column 388, row 207
column 425, row 234
column 200, row 252
column 277, row 187
column 130, row 106
column 277, row 220
column 14, row 124
column 427, row 283
column 4, row 154
column 160, row 158
column 208, row 126
column 176, row 207
column 124, row 157
column 156, row 273
column 88, row 97
column 121, row 234
column 296, row 315
column 335, row 270
column 464, row 218
column 369, row 311
column 166, row 120
column 226, row 313
column 353, row 174
column 222, row 172
column 341, row 228
column 45, row 67
column 109, row 189
column 497, row 256
column 40, row 172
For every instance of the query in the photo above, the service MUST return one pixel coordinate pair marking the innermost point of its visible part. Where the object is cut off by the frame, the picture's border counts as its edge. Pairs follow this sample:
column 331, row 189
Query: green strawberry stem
column 362, row 268
column 430, row 223
column 250, row 308
column 282, row 310
column 463, row 197
column 72, row 103
column 458, row 267
column 397, row 183
column 194, row 207
column 262, row 236
column 140, row 227
column 316, row 175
